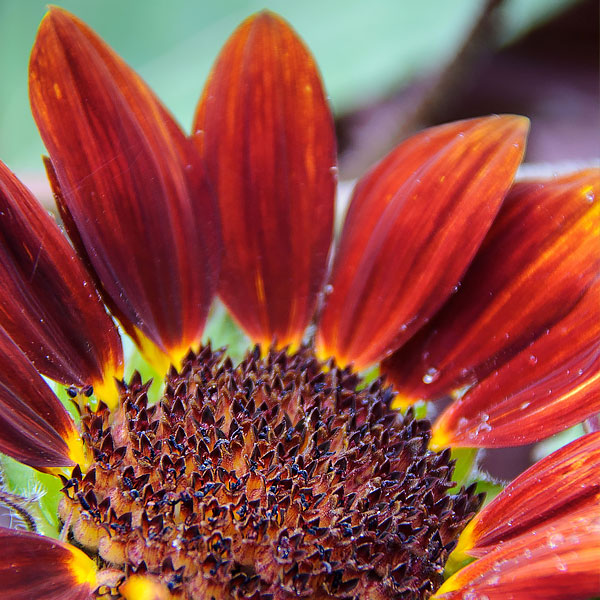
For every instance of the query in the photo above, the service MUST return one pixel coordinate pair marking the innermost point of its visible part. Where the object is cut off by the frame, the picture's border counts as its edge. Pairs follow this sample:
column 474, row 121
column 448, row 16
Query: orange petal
column 414, row 225
column 565, row 481
column 35, row 428
column 559, row 561
column 267, row 136
column 48, row 304
column 552, row 384
column 539, row 257
column 33, row 566
column 130, row 183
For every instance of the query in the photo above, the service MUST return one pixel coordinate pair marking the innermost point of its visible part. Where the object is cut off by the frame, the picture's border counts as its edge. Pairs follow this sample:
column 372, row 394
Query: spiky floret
column 277, row 478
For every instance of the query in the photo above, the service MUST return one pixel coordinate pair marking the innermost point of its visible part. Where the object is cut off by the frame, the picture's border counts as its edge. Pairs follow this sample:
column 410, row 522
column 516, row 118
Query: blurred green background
column 366, row 50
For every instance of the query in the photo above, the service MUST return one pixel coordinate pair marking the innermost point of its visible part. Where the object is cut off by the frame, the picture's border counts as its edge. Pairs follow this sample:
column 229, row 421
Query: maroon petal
column 552, row 384
column 414, row 225
column 35, row 428
column 40, row 568
column 267, row 136
column 565, row 481
column 132, row 186
column 557, row 561
column 48, row 304
column 539, row 257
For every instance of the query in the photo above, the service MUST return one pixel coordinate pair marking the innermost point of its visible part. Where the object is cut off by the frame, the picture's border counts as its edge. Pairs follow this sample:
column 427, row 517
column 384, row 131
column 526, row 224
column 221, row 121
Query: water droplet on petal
column 560, row 565
column 484, row 425
column 555, row 540
column 533, row 359
column 430, row 375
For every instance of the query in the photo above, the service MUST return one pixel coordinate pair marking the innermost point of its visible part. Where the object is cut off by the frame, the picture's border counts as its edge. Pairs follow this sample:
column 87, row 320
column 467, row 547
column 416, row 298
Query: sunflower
column 288, row 474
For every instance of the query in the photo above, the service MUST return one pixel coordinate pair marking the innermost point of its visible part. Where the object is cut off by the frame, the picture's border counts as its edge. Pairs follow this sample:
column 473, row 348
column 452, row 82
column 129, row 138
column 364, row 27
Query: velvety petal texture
column 130, row 186
column 35, row 428
column 48, row 303
column 550, row 385
column 540, row 256
column 567, row 480
column 266, row 134
column 413, row 227
column 41, row 568
column 558, row 561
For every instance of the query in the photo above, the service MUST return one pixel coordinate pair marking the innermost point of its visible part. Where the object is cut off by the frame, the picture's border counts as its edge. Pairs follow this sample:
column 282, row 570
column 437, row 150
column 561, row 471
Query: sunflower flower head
column 289, row 474
column 264, row 478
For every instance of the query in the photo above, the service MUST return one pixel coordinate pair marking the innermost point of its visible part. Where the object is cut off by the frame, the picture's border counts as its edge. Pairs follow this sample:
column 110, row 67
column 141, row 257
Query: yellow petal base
column 138, row 587
column 83, row 568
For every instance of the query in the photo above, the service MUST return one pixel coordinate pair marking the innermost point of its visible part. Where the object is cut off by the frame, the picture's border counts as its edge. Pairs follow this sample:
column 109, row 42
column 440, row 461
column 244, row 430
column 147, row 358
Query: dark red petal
column 267, row 136
column 539, row 257
column 565, row 481
column 131, row 182
column 48, row 304
column 35, row 428
column 560, row 561
column 550, row 385
column 33, row 567
column 414, row 225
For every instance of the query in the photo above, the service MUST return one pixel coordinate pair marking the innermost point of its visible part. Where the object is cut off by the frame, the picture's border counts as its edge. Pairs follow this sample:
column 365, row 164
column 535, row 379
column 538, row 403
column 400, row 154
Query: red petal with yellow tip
column 267, row 136
column 414, row 225
column 40, row 568
column 48, row 304
column 539, row 257
column 131, row 182
column 550, row 385
column 560, row 561
column 562, row 482
column 35, row 428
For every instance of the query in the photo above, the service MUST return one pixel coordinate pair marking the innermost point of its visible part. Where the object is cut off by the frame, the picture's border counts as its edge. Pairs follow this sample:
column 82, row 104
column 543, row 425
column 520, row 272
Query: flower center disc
column 276, row 478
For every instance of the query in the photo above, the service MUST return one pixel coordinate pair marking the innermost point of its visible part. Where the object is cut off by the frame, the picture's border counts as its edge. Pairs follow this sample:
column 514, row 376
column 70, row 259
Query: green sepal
column 465, row 463
column 487, row 485
column 25, row 482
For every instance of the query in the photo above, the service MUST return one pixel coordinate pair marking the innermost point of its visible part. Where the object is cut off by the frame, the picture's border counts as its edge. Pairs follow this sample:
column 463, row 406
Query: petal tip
column 55, row 14
column 517, row 127
column 268, row 18
column 520, row 124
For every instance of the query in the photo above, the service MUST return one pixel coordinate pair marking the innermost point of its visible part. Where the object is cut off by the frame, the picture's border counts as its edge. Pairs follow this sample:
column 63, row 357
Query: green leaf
column 222, row 331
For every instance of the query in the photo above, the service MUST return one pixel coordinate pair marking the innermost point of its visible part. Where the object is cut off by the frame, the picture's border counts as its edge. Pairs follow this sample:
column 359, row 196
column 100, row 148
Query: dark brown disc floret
column 279, row 478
